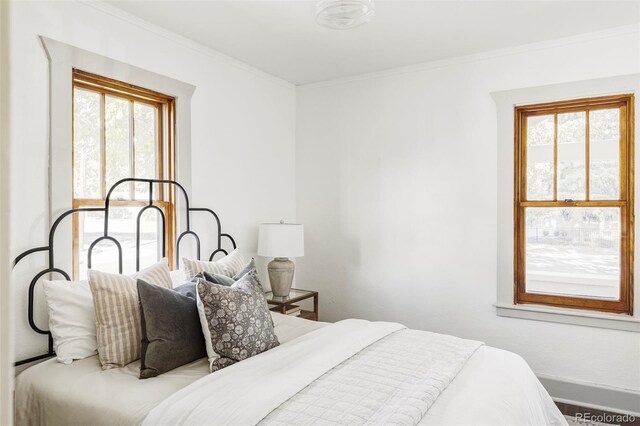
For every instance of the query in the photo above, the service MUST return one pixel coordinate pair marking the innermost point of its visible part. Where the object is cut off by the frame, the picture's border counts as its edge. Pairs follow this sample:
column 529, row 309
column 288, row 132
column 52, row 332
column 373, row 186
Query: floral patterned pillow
column 235, row 320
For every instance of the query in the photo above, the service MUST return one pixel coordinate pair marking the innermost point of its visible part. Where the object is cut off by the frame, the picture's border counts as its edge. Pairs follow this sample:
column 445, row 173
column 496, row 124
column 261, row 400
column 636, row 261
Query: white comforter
column 351, row 372
column 495, row 387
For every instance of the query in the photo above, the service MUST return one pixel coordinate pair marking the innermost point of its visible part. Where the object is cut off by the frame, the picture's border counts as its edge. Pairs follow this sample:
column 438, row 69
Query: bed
column 349, row 372
column 495, row 387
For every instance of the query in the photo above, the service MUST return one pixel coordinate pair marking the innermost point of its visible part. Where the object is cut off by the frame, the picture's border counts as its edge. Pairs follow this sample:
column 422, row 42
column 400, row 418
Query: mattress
column 494, row 387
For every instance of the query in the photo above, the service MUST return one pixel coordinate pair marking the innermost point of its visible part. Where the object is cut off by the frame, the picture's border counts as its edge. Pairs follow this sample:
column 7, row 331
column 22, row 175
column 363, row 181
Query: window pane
column 87, row 133
column 572, row 176
column 604, row 154
column 122, row 226
column 573, row 251
column 104, row 257
column 117, row 117
column 145, row 144
column 540, row 157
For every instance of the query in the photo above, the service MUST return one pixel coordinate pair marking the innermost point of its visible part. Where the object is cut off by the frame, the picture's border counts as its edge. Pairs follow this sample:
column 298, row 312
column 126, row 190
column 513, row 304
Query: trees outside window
column 120, row 131
column 574, row 204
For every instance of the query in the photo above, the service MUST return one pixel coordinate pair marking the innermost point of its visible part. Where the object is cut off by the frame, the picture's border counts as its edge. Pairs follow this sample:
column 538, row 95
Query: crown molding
column 482, row 56
column 115, row 12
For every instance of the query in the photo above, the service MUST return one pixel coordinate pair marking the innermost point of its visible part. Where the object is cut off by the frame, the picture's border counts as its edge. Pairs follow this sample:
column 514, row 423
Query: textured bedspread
column 351, row 372
column 393, row 381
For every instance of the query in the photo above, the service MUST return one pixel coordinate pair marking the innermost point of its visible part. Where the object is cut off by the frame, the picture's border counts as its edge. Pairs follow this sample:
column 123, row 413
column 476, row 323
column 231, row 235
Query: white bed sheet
column 51, row 393
column 495, row 387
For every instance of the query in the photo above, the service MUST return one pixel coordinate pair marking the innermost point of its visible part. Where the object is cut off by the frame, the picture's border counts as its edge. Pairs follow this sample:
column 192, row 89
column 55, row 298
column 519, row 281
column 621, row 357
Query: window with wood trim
column 574, row 204
column 121, row 131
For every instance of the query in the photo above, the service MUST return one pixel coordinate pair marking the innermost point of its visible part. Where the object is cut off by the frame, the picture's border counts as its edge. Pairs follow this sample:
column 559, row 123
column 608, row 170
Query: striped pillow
column 229, row 265
column 115, row 299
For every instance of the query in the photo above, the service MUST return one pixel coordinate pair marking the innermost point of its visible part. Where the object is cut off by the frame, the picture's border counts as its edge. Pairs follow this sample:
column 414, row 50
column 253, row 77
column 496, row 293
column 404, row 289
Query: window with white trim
column 121, row 131
column 573, row 233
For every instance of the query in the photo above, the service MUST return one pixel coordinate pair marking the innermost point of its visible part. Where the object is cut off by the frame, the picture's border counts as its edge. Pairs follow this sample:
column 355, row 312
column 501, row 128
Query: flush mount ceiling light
column 344, row 14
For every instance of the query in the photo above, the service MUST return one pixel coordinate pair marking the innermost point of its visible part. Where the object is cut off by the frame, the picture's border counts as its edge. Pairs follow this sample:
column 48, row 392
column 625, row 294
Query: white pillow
column 178, row 277
column 71, row 319
column 229, row 265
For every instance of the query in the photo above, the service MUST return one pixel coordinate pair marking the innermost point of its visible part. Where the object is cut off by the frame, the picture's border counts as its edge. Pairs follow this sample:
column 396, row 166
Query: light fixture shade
column 344, row 14
column 281, row 240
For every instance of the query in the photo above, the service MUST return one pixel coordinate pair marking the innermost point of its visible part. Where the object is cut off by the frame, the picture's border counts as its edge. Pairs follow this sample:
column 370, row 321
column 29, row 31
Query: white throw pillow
column 178, row 277
column 229, row 265
column 71, row 319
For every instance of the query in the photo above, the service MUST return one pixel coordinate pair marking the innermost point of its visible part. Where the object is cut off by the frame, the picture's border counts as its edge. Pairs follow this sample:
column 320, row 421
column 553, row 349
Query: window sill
column 569, row 316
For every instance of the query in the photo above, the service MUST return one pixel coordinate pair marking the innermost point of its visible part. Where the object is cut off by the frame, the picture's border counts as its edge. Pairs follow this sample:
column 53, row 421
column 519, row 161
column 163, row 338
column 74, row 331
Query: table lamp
column 281, row 241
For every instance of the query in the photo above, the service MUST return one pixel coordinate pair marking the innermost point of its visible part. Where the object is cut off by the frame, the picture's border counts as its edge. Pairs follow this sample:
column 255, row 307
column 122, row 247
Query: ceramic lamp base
column 281, row 275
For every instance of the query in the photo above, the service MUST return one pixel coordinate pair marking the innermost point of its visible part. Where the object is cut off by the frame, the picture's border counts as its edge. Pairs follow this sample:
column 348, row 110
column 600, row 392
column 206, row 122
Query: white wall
column 397, row 189
column 242, row 128
column 6, row 326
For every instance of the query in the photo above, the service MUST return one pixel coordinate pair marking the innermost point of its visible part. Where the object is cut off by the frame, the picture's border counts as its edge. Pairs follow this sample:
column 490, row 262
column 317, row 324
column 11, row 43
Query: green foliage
column 119, row 122
column 604, row 137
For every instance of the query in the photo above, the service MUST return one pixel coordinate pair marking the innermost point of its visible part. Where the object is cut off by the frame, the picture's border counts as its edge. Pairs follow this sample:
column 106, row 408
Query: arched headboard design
column 106, row 236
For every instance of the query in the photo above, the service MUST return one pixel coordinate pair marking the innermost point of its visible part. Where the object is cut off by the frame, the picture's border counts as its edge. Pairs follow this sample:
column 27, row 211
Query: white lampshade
column 281, row 240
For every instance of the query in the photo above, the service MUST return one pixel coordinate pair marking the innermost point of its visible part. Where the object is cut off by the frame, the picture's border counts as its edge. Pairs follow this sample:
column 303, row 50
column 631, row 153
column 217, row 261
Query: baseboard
column 600, row 397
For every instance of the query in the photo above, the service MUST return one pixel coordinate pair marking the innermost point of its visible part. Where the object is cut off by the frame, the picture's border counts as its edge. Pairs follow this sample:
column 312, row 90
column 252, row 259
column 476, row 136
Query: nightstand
column 296, row 295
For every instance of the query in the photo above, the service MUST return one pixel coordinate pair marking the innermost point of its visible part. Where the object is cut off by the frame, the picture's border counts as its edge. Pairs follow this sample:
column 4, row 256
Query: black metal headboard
column 106, row 237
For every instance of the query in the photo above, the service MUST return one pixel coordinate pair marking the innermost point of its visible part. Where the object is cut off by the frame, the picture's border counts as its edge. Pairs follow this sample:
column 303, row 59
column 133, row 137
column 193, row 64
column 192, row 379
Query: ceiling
column 282, row 38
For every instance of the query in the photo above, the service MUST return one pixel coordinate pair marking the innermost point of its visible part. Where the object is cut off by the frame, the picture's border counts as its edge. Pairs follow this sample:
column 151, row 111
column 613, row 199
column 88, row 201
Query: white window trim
column 569, row 316
column 62, row 59
column 505, row 103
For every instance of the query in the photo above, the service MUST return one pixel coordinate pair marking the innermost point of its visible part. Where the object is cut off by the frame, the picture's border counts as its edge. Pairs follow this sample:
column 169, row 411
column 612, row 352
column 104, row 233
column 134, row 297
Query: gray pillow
column 171, row 331
column 187, row 289
column 236, row 320
column 223, row 279
column 244, row 271
column 212, row 278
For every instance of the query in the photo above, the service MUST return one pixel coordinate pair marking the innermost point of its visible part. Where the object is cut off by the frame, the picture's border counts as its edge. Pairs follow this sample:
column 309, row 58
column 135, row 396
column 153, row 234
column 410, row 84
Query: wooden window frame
column 625, row 202
column 166, row 119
